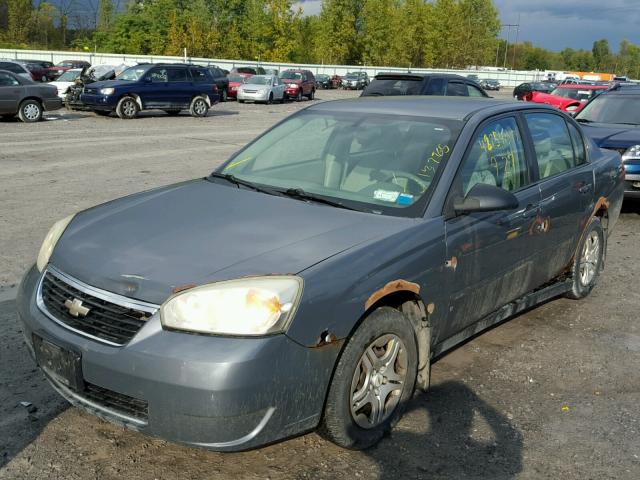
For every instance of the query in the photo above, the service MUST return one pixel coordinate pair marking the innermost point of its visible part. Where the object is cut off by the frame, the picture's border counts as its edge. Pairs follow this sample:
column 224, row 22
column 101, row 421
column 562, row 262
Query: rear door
column 179, row 88
column 566, row 189
column 11, row 92
column 490, row 254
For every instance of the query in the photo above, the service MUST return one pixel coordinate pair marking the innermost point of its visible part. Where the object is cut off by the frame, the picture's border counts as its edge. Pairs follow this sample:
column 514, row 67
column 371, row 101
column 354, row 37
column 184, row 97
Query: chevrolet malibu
column 309, row 281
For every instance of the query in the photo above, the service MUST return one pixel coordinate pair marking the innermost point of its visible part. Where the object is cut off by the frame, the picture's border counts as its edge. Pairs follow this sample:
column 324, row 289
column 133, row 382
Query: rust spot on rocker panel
column 392, row 287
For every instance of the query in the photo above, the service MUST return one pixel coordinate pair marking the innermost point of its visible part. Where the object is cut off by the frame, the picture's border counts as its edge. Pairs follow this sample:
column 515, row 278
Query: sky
column 557, row 24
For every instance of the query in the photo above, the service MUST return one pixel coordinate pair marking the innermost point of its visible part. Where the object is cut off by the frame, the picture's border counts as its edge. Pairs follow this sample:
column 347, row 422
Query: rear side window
column 198, row 75
column 496, row 158
column 578, row 144
column 552, row 143
column 457, row 89
column 474, row 91
column 176, row 75
column 436, row 86
column 7, row 80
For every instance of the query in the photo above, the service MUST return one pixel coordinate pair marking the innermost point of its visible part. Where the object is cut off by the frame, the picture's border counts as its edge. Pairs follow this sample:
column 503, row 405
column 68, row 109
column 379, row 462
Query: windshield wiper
column 300, row 194
column 239, row 182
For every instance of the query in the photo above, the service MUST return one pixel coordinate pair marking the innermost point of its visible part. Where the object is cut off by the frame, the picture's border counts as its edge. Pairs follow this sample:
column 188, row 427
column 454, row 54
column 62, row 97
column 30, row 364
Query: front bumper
column 220, row 393
column 632, row 185
column 99, row 102
column 258, row 96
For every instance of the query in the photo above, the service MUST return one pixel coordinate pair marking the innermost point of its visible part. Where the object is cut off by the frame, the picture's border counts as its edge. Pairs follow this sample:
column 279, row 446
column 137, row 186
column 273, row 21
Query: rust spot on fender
column 392, row 287
column 602, row 202
column 326, row 338
column 452, row 263
column 182, row 288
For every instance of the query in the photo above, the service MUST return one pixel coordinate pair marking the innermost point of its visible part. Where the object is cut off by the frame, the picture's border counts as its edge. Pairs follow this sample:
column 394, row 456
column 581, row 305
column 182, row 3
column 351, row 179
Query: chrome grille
column 109, row 321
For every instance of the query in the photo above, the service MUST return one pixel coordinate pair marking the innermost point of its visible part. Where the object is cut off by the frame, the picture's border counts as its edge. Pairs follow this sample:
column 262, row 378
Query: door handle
column 531, row 210
column 585, row 188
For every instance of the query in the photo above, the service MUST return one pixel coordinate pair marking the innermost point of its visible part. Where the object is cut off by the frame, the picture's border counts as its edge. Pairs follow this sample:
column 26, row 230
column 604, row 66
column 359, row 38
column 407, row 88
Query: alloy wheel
column 589, row 258
column 31, row 111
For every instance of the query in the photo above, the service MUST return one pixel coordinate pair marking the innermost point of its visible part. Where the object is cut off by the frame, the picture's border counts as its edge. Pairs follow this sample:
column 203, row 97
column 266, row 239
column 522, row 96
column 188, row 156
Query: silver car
column 262, row 88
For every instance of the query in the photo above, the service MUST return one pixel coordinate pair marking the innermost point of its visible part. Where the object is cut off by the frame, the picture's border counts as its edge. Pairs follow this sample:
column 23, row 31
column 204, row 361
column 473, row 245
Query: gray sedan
column 25, row 98
column 309, row 281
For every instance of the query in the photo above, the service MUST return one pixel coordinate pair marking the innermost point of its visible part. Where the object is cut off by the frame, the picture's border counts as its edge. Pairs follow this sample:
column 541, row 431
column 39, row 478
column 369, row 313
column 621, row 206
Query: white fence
column 508, row 78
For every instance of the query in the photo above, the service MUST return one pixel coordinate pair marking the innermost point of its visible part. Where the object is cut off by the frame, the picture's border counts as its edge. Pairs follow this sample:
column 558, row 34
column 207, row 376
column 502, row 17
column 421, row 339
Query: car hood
column 553, row 100
column 291, row 80
column 111, row 83
column 146, row 245
column 613, row 136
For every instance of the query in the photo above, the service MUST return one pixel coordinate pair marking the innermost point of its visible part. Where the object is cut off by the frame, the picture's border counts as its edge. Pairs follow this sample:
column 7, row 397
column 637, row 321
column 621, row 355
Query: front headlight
column 248, row 306
column 51, row 240
column 632, row 153
column 107, row 91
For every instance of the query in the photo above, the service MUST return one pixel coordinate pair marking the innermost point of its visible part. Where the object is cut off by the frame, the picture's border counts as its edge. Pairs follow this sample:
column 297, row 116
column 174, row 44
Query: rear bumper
column 219, row 393
column 52, row 103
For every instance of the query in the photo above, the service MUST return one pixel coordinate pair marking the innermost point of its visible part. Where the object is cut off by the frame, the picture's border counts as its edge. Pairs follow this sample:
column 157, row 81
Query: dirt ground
column 553, row 393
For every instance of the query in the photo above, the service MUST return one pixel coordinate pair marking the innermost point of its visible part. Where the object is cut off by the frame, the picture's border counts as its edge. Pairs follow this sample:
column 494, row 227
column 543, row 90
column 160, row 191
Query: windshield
column 69, row 76
column 574, row 93
column 373, row 162
column 259, row 80
column 133, row 73
column 291, row 75
column 394, row 86
column 612, row 109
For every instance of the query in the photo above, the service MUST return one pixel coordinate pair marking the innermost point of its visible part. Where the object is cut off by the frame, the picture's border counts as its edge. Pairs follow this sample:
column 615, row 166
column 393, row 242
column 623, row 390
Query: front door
column 490, row 255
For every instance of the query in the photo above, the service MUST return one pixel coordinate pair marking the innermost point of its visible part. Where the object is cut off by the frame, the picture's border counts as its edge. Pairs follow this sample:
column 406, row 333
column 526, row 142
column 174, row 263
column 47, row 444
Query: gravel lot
column 553, row 393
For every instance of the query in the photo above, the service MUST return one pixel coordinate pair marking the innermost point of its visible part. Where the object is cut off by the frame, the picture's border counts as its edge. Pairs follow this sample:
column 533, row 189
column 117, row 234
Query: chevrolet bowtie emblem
column 76, row 309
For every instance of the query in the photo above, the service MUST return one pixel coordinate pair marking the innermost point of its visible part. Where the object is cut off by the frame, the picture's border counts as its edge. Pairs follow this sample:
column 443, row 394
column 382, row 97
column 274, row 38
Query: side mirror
column 485, row 198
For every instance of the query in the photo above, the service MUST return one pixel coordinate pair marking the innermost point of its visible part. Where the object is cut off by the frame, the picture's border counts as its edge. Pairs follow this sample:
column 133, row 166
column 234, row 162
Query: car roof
column 453, row 108
column 408, row 75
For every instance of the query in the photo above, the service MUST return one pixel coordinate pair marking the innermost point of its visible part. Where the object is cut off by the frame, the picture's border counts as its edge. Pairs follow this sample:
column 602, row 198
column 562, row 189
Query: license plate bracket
column 62, row 365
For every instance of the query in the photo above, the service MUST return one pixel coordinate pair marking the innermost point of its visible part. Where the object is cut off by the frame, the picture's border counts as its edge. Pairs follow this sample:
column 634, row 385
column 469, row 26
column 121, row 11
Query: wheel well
column 39, row 100
column 603, row 214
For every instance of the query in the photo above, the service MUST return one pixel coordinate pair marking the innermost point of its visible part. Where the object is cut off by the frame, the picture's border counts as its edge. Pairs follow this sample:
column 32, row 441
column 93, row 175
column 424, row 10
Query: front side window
column 381, row 163
column 133, row 74
column 551, row 142
column 158, row 75
column 496, row 158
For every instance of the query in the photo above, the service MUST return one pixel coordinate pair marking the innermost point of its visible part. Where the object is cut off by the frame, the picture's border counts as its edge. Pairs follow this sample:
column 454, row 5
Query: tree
column 19, row 14
column 105, row 14
column 339, row 32
column 601, row 54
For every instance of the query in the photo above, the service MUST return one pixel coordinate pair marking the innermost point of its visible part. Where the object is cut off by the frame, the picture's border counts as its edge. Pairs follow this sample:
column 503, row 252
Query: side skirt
column 509, row 310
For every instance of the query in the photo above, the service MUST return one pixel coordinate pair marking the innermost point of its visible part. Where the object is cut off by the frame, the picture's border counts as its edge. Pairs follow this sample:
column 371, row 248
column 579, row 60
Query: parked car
column 221, row 80
column 262, row 88
column 168, row 87
column 17, row 68
column 40, row 70
column 235, row 81
column 355, row 81
column 65, row 65
column 490, row 84
column 23, row 97
column 247, row 71
column 324, row 81
column 423, row 84
column 299, row 83
column 524, row 90
column 568, row 98
column 612, row 120
column 336, row 81
column 473, row 77
column 308, row 281
column 66, row 80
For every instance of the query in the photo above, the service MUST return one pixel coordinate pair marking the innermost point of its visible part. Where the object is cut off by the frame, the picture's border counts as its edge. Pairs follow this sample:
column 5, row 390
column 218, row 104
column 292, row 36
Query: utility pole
column 506, row 47
column 516, row 43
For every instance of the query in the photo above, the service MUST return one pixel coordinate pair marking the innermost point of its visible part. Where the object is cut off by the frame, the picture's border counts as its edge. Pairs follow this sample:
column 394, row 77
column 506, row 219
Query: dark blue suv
column 168, row 87
column 612, row 120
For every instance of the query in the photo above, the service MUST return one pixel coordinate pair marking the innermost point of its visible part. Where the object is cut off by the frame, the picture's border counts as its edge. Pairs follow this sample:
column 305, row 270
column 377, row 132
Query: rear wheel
column 30, row 111
column 588, row 261
column 199, row 107
column 127, row 108
column 311, row 95
column 373, row 380
column 270, row 99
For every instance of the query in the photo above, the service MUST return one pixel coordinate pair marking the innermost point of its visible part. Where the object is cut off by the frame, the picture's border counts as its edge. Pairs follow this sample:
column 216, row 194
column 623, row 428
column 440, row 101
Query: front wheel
column 311, row 95
column 588, row 261
column 127, row 108
column 299, row 96
column 30, row 111
column 199, row 107
column 373, row 380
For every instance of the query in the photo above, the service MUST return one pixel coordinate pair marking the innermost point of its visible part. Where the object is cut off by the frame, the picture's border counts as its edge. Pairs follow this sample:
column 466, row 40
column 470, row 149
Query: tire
column 173, row 112
column 44, row 79
column 102, row 113
column 299, row 96
column 199, row 107
column 30, row 111
column 127, row 108
column 311, row 95
column 357, row 427
column 589, row 260
column 224, row 96
column 270, row 100
column 240, row 101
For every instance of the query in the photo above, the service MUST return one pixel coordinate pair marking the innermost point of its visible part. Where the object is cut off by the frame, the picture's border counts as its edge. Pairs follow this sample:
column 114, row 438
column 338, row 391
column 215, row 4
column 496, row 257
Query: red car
column 568, row 98
column 299, row 83
column 60, row 68
column 234, row 82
